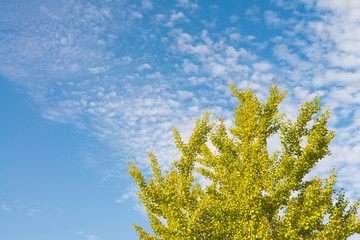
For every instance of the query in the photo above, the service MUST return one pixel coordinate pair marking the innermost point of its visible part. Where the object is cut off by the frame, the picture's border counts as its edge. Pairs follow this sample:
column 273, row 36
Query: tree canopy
column 252, row 194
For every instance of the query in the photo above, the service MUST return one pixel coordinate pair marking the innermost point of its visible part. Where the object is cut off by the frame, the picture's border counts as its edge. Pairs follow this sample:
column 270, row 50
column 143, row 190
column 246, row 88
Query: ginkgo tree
column 251, row 194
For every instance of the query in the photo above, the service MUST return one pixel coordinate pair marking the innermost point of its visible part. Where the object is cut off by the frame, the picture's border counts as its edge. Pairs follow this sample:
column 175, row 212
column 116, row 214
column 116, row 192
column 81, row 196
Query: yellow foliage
column 252, row 195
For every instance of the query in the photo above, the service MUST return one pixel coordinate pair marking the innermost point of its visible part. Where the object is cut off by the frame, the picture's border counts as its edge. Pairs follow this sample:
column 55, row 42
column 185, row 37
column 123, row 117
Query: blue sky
column 84, row 85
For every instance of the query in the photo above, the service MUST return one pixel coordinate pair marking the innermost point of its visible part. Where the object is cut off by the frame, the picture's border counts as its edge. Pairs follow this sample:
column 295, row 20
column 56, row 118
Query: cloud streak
column 126, row 74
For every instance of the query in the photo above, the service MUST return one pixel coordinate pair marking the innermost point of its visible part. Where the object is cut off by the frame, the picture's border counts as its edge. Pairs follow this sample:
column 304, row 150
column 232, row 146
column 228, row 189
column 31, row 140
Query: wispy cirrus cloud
column 5, row 208
column 32, row 211
column 147, row 4
column 253, row 14
column 88, row 236
column 176, row 17
column 187, row 4
column 127, row 77
column 320, row 53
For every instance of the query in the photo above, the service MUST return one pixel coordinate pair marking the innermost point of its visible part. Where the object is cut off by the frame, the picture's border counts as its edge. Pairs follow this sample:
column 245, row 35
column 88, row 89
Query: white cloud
column 302, row 93
column 200, row 49
column 175, row 17
column 310, row 54
column 233, row 53
column 217, row 69
column 32, row 211
column 184, row 94
column 5, row 208
column 139, row 207
column 235, row 36
column 216, row 59
column 159, row 17
column 92, row 237
column 345, row 59
column 190, row 67
column 147, row 4
column 127, row 59
column 262, row 77
column 340, row 30
column 96, row 70
column 88, row 236
column 252, row 14
column 187, row 4
column 155, row 75
column 130, row 194
column 321, row 53
column 262, row 66
column 196, row 80
column 284, row 53
column 144, row 67
column 271, row 18
column 234, row 18
column 137, row 15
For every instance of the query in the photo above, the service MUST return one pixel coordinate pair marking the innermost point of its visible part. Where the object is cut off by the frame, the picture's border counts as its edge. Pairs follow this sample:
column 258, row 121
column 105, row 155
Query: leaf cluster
column 251, row 194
